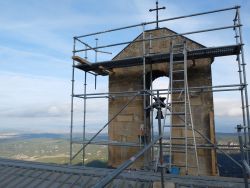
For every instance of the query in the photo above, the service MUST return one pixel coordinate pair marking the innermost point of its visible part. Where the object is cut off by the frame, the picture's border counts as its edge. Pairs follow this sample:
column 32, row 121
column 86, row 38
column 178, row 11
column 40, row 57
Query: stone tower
column 127, row 126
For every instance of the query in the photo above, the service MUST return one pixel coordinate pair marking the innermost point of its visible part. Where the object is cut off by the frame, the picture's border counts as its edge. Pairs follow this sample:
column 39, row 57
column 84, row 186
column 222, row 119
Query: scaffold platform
column 158, row 58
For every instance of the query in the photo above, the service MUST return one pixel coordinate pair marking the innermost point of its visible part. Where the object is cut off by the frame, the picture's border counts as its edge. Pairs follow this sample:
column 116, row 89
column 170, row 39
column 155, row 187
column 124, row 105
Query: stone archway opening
column 135, row 121
column 161, row 84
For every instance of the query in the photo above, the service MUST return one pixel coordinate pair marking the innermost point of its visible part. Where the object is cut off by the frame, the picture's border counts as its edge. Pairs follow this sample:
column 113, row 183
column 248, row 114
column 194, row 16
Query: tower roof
column 161, row 32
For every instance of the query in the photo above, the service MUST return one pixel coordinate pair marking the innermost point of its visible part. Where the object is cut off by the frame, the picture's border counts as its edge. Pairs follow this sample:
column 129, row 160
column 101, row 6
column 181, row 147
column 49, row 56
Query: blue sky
column 36, row 50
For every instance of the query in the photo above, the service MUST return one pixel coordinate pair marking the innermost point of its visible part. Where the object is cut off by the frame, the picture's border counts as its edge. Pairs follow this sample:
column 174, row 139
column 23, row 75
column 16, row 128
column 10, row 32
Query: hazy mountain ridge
column 12, row 135
column 54, row 148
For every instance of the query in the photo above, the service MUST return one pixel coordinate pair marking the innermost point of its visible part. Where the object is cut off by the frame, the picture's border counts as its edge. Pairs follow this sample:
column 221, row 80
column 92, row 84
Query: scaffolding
column 104, row 68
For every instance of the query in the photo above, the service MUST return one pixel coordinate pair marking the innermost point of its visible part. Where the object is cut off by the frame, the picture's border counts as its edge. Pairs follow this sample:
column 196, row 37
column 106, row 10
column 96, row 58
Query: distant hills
column 102, row 136
column 54, row 148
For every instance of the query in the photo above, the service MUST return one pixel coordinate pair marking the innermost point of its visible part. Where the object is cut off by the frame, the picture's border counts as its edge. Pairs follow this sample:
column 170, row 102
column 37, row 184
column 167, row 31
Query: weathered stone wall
column 126, row 127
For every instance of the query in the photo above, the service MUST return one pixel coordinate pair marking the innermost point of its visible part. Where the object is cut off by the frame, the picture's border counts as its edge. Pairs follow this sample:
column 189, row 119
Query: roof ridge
column 162, row 28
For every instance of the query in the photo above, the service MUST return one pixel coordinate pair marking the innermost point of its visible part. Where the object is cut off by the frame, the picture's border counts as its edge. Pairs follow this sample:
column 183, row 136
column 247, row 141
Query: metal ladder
column 178, row 106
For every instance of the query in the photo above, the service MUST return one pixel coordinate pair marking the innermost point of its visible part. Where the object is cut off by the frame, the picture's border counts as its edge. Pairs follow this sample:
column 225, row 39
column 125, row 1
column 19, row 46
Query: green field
column 50, row 150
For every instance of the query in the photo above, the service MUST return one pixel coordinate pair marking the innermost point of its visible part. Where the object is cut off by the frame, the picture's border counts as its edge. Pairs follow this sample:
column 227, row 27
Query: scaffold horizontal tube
column 163, row 20
column 234, row 87
column 158, row 38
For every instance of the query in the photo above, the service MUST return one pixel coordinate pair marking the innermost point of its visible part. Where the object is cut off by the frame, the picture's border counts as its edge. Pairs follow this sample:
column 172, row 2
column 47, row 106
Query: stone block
column 125, row 118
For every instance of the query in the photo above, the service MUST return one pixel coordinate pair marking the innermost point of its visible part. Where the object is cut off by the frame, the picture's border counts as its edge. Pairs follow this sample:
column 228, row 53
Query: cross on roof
column 157, row 16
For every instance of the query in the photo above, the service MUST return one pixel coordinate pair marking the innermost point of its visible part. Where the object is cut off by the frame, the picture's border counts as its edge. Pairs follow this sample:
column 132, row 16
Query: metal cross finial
column 157, row 16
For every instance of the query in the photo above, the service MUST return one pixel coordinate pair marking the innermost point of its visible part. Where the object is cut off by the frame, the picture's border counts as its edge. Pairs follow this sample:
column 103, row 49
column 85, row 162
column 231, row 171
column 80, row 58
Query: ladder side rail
column 242, row 93
column 171, row 94
column 244, row 76
column 165, row 117
column 185, row 108
column 72, row 106
column 190, row 114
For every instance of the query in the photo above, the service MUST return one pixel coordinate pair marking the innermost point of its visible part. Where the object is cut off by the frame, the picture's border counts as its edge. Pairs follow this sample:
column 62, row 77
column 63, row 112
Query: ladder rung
column 166, row 151
column 183, row 165
column 178, row 165
column 177, row 51
column 178, row 151
column 178, row 89
column 178, row 62
column 183, row 151
column 177, row 71
column 176, row 113
column 181, row 125
column 182, row 138
column 174, row 102
column 175, row 125
column 178, row 80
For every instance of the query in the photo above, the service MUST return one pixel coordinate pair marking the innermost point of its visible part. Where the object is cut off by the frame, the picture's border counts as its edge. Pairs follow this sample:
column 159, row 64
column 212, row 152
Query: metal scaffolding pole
column 151, row 99
column 162, row 93
column 191, row 89
column 125, row 106
column 72, row 104
column 238, row 58
column 159, row 113
column 165, row 145
column 215, row 146
column 107, row 179
column 162, row 37
column 244, row 77
column 163, row 20
column 243, row 161
column 84, row 115
column 169, row 100
column 144, row 94
column 186, row 103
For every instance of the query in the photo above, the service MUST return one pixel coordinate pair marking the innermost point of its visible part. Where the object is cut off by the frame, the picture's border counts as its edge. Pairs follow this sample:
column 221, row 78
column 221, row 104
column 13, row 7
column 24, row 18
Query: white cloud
column 43, row 104
column 226, row 107
column 54, row 110
column 21, row 56
column 37, row 38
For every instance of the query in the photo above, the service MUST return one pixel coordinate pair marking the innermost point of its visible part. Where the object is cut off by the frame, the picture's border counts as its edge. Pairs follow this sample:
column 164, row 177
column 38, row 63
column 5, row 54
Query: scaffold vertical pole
column 185, row 105
column 96, row 53
column 159, row 113
column 84, row 116
column 72, row 104
column 238, row 59
column 151, row 98
column 86, row 52
column 144, row 92
column 171, row 98
column 96, row 45
column 244, row 172
column 244, row 76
